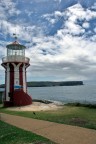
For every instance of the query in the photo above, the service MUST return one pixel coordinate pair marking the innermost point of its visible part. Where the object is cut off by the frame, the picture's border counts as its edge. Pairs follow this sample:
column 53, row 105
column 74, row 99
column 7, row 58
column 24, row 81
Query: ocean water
column 83, row 93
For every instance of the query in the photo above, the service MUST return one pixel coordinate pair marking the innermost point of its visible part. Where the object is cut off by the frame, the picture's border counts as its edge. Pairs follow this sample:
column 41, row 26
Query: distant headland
column 50, row 83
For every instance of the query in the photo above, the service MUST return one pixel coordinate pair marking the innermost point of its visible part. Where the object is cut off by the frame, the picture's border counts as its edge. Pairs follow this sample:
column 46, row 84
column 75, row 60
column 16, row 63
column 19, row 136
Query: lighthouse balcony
column 15, row 58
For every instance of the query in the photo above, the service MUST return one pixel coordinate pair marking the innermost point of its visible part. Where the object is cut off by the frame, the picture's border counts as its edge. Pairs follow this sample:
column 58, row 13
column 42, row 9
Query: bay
column 65, row 94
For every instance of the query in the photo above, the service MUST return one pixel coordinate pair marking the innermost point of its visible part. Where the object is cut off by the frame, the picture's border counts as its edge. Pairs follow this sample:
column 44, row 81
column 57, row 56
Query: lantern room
column 15, row 49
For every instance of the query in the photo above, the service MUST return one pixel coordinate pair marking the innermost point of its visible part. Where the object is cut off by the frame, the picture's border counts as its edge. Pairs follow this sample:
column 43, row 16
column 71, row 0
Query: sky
column 59, row 35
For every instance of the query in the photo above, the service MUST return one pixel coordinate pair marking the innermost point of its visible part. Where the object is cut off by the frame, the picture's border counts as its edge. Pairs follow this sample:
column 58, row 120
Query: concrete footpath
column 59, row 133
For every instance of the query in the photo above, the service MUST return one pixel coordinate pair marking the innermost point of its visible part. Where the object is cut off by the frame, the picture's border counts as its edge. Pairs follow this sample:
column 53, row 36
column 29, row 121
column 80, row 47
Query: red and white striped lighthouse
column 15, row 64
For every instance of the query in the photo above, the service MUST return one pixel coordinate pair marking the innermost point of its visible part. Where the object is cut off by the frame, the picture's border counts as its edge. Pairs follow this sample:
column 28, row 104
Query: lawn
column 13, row 135
column 71, row 115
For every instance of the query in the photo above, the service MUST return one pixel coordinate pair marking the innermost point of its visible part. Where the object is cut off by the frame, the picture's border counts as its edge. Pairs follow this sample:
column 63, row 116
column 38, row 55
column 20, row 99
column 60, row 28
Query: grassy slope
column 72, row 115
column 12, row 135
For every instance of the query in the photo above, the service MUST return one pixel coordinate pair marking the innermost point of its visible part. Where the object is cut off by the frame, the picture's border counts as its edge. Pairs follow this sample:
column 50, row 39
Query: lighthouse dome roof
column 15, row 46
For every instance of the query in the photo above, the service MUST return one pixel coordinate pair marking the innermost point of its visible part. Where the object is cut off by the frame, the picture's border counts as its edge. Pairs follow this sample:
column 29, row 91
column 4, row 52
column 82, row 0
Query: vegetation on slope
column 49, row 83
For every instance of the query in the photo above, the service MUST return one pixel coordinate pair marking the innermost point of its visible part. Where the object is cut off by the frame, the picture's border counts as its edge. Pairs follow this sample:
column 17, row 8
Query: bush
column 81, row 105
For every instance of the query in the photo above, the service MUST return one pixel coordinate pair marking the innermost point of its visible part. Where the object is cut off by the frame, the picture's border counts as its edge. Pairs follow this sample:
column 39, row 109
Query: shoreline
column 48, row 105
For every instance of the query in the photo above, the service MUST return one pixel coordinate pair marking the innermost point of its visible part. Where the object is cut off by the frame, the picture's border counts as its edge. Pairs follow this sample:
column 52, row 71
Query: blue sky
column 60, row 36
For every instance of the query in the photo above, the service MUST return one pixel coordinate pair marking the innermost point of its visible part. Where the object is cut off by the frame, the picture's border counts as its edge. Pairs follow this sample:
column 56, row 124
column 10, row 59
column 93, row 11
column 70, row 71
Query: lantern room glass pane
column 15, row 52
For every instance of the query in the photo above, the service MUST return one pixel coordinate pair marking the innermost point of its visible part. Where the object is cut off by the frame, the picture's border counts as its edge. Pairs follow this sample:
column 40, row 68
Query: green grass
column 71, row 115
column 13, row 135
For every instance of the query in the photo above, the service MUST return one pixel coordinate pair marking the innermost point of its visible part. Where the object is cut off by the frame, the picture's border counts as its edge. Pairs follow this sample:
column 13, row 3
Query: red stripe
column 5, row 84
column 11, row 78
column 21, row 75
column 25, row 80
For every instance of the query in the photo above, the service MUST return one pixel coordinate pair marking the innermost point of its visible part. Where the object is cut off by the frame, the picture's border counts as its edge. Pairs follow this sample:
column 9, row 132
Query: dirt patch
column 78, row 121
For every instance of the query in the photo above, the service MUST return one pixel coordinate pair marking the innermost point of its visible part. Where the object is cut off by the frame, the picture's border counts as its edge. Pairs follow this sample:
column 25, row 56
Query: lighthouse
column 15, row 64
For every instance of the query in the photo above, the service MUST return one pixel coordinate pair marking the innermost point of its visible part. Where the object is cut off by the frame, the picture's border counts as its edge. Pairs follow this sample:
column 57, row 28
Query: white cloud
column 58, row 13
column 9, row 7
column 94, row 6
column 93, row 38
column 86, row 25
column 74, row 28
column 53, row 17
column 75, row 15
column 95, row 29
column 81, row 13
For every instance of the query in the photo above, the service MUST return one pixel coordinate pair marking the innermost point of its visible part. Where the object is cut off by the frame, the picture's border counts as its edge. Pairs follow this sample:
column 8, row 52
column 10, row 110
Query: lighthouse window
column 20, row 52
column 15, row 52
column 9, row 52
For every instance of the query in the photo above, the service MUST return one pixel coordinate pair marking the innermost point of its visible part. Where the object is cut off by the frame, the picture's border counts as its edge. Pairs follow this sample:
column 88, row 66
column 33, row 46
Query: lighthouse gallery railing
column 15, row 58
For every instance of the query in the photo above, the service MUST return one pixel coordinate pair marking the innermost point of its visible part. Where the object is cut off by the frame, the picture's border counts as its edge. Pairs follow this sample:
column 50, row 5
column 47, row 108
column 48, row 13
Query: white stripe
column 8, row 83
column 24, row 79
column 16, row 74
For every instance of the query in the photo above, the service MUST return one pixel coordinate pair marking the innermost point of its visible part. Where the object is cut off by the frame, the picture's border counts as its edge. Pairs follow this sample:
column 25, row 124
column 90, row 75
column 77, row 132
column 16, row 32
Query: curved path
column 59, row 133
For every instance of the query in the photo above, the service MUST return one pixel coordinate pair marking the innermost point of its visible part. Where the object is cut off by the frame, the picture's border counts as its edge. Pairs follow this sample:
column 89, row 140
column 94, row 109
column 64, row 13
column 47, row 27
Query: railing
column 15, row 58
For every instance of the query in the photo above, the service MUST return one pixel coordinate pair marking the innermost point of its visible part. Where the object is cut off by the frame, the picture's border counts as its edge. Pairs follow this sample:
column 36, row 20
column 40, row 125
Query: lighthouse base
column 20, row 98
column 8, row 104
